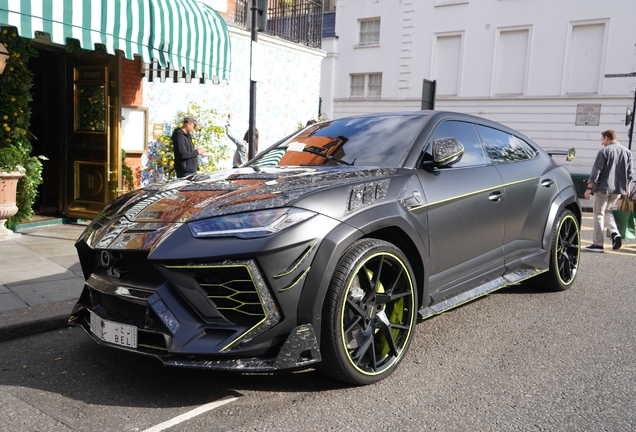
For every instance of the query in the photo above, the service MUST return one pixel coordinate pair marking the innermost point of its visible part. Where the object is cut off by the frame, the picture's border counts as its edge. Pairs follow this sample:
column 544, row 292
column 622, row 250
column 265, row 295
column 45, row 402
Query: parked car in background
column 326, row 248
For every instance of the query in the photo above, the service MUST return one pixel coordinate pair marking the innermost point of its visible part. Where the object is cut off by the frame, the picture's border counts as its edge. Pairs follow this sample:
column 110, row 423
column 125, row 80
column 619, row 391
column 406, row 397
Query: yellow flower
column 4, row 125
column 12, row 99
column 92, row 128
column 11, row 68
column 8, row 139
column 4, row 31
column 5, row 117
column 13, row 34
column 8, row 129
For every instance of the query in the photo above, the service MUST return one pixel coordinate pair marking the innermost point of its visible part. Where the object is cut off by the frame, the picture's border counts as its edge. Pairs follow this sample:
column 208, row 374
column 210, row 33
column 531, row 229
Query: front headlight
column 254, row 224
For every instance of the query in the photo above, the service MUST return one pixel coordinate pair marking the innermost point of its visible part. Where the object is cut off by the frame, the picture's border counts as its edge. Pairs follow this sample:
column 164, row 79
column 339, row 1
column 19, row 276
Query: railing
column 297, row 21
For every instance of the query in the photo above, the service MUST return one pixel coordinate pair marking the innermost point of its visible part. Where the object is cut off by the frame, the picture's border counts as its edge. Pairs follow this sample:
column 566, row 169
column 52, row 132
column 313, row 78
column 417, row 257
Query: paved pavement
column 41, row 279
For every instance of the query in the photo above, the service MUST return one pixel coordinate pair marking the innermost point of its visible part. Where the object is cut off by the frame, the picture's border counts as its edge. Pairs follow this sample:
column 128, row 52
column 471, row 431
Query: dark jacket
column 612, row 170
column 185, row 155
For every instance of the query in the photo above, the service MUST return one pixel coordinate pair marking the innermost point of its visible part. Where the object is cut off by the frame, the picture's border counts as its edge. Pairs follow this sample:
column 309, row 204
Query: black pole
column 631, row 126
column 251, row 151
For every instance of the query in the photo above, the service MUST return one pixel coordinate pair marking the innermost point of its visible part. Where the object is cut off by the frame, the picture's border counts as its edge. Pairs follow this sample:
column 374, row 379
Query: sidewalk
column 40, row 279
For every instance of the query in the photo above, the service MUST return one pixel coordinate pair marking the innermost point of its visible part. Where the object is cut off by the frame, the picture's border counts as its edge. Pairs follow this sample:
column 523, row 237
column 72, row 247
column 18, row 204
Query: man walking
column 186, row 159
column 610, row 178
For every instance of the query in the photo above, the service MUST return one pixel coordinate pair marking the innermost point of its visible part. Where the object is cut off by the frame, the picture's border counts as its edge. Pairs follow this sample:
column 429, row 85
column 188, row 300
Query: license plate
column 112, row 332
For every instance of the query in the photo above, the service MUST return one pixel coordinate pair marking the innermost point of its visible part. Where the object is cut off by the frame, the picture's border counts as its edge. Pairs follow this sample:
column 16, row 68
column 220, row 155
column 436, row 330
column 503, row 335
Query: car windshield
column 366, row 141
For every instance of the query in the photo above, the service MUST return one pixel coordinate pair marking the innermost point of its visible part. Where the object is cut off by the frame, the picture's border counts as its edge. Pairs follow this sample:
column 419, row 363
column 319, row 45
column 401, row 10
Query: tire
column 565, row 254
column 369, row 313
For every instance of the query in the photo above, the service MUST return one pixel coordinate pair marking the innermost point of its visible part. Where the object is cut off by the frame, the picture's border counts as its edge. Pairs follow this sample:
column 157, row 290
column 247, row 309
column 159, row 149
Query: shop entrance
column 75, row 124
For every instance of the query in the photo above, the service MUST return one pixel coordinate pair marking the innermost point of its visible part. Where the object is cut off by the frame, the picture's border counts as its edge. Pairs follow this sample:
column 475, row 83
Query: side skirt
column 480, row 291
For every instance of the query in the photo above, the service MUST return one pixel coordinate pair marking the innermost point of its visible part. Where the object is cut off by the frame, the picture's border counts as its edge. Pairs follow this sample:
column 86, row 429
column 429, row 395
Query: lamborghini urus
column 326, row 249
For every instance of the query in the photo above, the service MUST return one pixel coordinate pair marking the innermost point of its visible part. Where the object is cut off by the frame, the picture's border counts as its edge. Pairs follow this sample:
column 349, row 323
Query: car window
column 370, row 141
column 502, row 147
column 465, row 133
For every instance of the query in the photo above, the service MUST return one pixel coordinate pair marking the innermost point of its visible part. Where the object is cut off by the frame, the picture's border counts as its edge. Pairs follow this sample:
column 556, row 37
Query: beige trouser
column 603, row 216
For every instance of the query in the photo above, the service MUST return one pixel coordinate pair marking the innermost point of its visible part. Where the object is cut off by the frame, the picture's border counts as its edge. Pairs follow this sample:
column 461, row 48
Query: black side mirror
column 628, row 117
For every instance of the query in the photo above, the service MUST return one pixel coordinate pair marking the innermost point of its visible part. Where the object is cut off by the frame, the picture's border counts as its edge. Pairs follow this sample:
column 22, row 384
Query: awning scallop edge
column 184, row 33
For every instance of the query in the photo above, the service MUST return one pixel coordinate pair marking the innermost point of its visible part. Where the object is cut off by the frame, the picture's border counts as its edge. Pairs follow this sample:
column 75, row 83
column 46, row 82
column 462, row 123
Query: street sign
column 588, row 114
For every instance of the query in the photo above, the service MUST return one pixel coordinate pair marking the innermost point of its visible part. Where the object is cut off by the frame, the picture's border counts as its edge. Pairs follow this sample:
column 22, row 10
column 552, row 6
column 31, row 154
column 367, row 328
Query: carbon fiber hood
column 232, row 191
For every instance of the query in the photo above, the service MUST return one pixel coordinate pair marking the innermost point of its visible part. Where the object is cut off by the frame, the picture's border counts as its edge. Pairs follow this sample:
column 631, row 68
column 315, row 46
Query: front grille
column 236, row 290
column 232, row 291
column 118, row 306
column 132, row 263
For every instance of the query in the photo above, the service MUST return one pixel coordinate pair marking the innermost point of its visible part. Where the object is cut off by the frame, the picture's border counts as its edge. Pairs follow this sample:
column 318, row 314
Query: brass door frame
column 92, row 134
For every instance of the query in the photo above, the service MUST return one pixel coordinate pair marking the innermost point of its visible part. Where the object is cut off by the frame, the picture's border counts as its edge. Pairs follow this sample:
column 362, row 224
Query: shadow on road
column 68, row 364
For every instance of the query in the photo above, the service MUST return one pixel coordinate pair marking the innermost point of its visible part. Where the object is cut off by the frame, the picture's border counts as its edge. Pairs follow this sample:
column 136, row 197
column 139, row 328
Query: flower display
column 158, row 163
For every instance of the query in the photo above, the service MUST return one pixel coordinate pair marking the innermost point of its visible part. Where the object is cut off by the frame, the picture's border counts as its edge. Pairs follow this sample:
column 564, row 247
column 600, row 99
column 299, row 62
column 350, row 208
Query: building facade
column 538, row 66
column 92, row 94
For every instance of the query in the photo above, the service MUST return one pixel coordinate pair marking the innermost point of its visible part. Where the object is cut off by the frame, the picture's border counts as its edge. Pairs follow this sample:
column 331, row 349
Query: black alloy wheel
column 369, row 313
column 565, row 253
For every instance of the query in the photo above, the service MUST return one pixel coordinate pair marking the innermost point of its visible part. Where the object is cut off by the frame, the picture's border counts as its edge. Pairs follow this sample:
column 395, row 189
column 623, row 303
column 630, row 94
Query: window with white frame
column 366, row 85
column 357, row 85
column 511, row 61
column 585, row 58
column 375, row 85
column 370, row 32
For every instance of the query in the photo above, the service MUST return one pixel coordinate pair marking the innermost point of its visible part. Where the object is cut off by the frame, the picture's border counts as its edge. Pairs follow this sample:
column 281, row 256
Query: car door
column 466, row 216
column 528, row 189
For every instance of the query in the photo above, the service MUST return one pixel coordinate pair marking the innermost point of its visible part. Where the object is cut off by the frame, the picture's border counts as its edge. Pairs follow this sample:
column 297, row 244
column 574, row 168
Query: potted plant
column 10, row 173
column 21, row 172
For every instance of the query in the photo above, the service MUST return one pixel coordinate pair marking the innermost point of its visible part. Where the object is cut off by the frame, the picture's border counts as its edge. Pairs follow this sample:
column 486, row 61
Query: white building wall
column 288, row 95
column 569, row 46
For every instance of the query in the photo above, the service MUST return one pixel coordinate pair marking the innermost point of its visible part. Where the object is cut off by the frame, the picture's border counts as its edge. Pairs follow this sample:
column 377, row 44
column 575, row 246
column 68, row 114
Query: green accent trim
column 295, row 282
column 235, row 341
column 344, row 304
column 557, row 246
column 471, row 193
column 485, row 293
column 448, row 157
column 152, row 347
column 295, row 266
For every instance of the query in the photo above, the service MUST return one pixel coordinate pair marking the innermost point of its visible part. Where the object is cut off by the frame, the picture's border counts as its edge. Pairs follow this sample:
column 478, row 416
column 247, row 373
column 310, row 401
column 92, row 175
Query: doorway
column 75, row 124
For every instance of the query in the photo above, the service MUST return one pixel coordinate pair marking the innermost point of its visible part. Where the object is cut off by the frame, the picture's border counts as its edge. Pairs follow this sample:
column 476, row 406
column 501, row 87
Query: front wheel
column 564, row 254
column 369, row 313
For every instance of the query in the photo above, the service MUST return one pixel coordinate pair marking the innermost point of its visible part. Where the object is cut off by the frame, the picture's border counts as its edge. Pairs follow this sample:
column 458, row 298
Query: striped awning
column 187, row 34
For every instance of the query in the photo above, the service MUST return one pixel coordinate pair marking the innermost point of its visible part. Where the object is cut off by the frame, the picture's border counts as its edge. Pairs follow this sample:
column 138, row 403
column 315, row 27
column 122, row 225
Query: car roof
column 439, row 115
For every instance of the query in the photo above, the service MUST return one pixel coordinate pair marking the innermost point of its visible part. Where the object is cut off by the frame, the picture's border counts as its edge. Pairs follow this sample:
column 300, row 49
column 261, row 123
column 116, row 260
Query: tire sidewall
column 373, row 248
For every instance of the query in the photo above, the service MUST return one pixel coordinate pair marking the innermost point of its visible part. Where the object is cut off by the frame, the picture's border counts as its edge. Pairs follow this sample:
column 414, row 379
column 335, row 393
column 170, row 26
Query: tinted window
column 502, row 147
column 465, row 134
column 369, row 141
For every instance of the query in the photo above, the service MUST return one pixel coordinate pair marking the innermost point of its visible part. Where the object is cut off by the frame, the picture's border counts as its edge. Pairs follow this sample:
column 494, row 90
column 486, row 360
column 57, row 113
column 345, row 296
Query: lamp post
column 4, row 56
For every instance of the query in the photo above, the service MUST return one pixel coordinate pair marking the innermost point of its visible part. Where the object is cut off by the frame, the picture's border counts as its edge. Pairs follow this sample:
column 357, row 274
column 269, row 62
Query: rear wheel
column 564, row 254
column 369, row 313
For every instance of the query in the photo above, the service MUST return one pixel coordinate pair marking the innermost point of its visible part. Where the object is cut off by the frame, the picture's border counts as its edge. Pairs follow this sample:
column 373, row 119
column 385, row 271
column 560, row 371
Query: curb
column 34, row 320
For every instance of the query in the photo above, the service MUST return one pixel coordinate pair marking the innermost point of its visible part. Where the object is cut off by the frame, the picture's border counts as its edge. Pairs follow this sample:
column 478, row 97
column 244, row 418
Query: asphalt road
column 519, row 359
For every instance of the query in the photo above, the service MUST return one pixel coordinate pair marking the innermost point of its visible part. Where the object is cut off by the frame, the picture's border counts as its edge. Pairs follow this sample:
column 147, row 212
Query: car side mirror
column 446, row 152
column 628, row 117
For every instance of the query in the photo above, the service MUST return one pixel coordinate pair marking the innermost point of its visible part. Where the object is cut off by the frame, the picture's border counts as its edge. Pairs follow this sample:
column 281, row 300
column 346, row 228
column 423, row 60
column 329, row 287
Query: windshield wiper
column 319, row 151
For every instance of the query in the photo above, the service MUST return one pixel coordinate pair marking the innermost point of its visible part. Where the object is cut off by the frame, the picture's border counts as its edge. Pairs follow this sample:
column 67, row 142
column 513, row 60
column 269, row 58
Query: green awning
column 184, row 33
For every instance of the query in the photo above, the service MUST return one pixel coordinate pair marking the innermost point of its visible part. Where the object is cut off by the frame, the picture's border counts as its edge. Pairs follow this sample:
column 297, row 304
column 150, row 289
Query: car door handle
column 547, row 183
column 495, row 196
